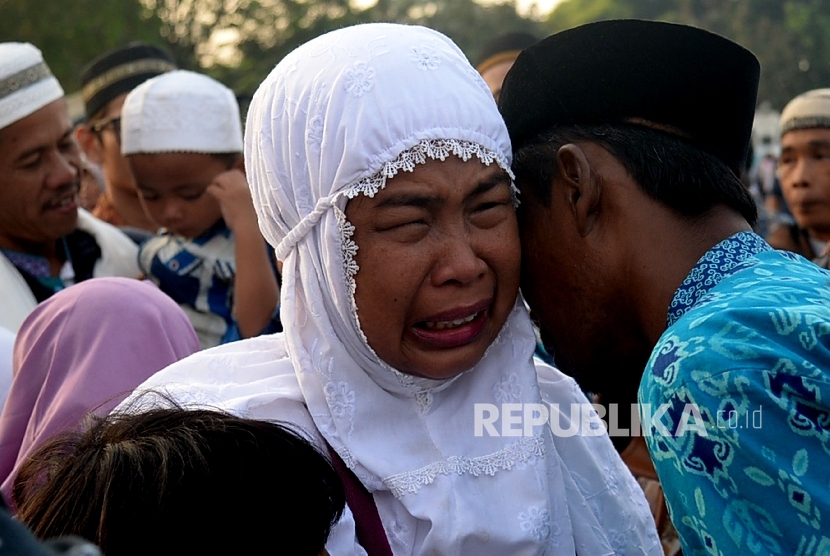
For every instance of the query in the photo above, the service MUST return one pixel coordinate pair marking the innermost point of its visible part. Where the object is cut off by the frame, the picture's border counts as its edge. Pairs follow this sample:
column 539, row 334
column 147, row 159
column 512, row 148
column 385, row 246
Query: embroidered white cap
column 26, row 82
column 181, row 111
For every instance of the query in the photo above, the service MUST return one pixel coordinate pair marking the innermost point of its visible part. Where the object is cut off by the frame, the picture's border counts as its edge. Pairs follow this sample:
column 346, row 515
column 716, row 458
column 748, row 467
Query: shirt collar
column 35, row 265
column 720, row 261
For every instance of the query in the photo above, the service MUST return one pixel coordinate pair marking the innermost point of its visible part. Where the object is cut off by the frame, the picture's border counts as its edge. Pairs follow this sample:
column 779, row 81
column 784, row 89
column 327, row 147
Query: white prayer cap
column 806, row 111
column 26, row 83
column 181, row 111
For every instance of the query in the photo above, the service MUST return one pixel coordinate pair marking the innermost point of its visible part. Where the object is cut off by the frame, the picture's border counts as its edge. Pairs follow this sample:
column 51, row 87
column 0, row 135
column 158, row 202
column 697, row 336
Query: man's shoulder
column 774, row 310
column 118, row 252
column 785, row 269
column 769, row 293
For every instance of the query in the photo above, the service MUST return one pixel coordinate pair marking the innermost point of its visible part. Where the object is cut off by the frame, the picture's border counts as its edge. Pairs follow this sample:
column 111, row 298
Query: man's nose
column 802, row 172
column 63, row 170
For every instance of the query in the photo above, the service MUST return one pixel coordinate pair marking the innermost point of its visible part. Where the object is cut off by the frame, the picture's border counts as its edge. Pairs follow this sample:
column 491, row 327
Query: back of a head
column 26, row 82
column 174, row 481
column 181, row 111
column 672, row 84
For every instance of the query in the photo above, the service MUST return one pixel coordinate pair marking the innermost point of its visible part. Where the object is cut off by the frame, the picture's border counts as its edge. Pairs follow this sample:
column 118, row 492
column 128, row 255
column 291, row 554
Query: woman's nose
column 459, row 262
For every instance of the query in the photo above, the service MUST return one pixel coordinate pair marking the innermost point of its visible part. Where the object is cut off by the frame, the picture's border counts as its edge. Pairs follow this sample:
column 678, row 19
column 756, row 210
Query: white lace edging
column 527, row 448
column 433, row 149
column 348, row 250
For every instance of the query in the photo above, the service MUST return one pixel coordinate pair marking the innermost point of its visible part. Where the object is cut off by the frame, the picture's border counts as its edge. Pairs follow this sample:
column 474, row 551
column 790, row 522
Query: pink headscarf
column 86, row 348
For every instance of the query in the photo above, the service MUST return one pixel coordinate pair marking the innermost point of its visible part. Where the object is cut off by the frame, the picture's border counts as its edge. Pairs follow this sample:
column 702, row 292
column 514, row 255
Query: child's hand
column 231, row 190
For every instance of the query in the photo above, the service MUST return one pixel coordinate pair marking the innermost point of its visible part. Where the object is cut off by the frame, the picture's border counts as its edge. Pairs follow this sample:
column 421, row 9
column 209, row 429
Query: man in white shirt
column 46, row 241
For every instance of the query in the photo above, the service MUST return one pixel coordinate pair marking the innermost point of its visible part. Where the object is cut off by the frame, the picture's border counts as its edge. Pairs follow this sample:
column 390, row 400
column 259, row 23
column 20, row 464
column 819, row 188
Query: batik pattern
column 737, row 391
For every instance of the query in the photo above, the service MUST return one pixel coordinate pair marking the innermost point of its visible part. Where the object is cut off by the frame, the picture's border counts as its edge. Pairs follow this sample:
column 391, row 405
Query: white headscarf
column 336, row 118
column 333, row 120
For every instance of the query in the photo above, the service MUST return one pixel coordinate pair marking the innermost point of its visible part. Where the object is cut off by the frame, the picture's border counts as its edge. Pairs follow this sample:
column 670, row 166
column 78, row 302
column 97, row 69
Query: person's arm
column 256, row 293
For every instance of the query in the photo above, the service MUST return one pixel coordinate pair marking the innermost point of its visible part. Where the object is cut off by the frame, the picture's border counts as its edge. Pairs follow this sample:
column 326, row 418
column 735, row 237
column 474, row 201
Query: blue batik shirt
column 735, row 402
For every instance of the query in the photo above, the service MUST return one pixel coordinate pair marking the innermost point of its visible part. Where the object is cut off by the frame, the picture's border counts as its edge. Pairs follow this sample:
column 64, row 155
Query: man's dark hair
column 176, row 481
column 668, row 168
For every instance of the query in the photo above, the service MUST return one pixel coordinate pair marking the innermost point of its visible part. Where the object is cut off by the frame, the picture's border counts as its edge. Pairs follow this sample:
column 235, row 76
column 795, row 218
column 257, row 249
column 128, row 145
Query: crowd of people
column 361, row 325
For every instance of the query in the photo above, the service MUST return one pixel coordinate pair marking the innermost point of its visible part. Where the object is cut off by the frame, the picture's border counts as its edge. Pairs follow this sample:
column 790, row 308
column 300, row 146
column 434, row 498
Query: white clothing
column 119, row 257
column 6, row 355
column 335, row 119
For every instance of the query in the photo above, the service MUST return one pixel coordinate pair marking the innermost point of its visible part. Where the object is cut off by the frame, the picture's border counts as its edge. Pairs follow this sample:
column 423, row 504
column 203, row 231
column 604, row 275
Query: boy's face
column 172, row 187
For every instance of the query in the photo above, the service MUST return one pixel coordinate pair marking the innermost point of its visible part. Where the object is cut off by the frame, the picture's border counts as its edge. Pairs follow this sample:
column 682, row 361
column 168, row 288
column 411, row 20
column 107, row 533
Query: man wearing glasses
column 105, row 82
column 46, row 241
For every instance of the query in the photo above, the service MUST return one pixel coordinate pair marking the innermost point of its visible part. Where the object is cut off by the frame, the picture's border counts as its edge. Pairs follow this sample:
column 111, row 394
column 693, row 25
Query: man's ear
column 581, row 186
column 90, row 143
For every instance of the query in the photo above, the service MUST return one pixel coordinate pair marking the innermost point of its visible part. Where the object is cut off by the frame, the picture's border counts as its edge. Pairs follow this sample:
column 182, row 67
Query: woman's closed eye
column 491, row 212
column 399, row 217
column 491, row 205
column 398, row 225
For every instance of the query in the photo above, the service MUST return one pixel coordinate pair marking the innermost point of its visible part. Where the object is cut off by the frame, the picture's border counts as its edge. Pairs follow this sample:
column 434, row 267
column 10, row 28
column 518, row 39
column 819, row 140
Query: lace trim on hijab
column 348, row 250
column 433, row 149
column 525, row 450
column 427, row 149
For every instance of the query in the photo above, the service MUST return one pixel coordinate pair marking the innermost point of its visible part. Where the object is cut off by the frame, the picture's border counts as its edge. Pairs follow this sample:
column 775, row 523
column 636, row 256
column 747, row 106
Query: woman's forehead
column 452, row 178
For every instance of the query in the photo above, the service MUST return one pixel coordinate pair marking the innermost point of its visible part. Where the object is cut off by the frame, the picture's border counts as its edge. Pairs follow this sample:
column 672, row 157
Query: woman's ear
column 582, row 188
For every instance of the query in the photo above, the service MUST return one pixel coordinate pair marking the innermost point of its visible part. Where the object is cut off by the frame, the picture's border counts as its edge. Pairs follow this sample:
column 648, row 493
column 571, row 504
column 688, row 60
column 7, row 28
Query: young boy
column 182, row 136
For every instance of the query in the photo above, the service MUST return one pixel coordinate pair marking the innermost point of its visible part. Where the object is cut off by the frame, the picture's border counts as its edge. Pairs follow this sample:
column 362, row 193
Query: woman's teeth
column 441, row 325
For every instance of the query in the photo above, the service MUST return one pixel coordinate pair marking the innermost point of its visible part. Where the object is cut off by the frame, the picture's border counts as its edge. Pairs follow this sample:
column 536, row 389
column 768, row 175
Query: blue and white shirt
column 735, row 403
column 199, row 275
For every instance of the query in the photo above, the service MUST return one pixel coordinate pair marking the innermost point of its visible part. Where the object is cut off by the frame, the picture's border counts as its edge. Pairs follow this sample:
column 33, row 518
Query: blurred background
column 239, row 41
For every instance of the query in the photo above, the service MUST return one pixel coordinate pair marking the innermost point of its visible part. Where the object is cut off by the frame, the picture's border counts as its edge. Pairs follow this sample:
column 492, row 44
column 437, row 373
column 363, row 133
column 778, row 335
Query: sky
column 544, row 7
column 523, row 6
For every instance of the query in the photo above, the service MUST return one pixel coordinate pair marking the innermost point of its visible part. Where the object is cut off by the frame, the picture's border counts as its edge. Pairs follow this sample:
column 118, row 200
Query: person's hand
column 230, row 188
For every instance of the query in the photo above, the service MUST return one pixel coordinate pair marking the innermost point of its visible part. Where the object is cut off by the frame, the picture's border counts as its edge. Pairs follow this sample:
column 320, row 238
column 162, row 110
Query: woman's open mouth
column 444, row 324
column 442, row 333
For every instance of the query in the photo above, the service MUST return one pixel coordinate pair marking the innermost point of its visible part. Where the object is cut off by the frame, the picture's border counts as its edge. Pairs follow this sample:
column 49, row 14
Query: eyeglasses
column 115, row 123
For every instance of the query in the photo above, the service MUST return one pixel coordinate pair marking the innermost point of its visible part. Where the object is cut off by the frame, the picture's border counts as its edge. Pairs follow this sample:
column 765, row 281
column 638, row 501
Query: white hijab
column 334, row 119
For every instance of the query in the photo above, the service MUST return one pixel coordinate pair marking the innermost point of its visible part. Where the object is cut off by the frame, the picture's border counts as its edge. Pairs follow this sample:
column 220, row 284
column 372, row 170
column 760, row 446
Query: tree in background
column 235, row 41
column 790, row 37
column 240, row 41
column 70, row 34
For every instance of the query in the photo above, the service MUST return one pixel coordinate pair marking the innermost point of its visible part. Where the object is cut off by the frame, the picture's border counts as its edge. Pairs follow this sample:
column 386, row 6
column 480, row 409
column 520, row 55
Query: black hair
column 668, row 168
column 177, row 481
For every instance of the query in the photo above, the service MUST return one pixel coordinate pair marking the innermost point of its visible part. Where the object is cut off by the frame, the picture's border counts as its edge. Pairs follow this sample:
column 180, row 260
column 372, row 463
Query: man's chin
column 62, row 225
